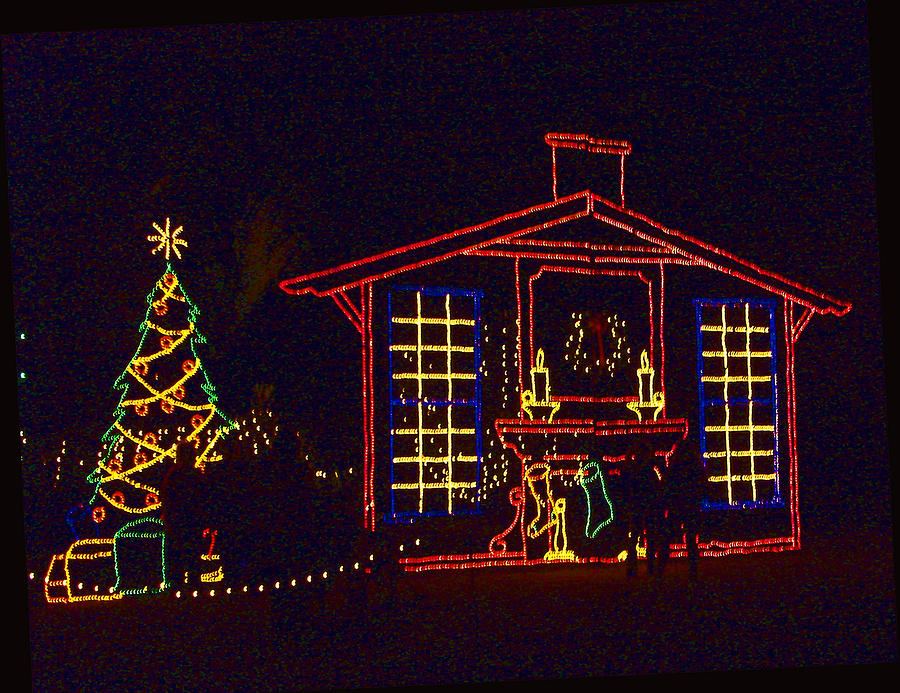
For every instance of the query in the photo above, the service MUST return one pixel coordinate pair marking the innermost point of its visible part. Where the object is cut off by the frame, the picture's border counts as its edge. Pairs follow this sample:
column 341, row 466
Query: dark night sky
column 751, row 126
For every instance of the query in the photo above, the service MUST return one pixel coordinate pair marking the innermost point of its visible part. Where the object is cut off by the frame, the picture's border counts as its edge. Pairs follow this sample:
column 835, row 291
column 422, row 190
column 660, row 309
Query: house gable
column 562, row 230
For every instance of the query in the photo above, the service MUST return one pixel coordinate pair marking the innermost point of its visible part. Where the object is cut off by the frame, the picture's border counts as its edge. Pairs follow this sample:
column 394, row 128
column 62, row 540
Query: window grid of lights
column 738, row 402
column 435, row 396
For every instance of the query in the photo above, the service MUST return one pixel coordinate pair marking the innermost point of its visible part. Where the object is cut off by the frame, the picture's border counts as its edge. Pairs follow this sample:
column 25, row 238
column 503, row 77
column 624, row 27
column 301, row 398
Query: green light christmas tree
column 166, row 398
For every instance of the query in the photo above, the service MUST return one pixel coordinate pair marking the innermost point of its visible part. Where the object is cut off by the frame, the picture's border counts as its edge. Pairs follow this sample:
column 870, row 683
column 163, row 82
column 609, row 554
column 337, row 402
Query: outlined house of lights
column 509, row 367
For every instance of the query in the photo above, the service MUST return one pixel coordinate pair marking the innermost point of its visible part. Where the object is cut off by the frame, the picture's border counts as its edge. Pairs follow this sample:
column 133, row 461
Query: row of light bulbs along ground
column 178, row 594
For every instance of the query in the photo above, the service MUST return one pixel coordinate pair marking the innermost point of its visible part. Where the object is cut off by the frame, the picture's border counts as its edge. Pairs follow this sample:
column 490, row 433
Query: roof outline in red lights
column 515, row 227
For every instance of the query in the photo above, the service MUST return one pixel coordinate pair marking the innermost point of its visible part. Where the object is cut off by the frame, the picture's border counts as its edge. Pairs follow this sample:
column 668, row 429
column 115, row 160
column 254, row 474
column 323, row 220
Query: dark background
column 321, row 140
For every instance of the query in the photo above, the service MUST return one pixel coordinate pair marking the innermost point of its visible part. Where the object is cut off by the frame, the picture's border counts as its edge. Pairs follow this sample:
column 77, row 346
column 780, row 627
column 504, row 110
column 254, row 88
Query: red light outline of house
column 508, row 236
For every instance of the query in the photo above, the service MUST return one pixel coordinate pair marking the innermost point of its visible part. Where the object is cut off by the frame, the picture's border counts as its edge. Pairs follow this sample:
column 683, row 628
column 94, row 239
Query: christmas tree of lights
column 166, row 398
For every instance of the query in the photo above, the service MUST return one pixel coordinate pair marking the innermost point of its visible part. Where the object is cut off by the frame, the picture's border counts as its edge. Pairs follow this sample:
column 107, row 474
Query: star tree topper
column 167, row 239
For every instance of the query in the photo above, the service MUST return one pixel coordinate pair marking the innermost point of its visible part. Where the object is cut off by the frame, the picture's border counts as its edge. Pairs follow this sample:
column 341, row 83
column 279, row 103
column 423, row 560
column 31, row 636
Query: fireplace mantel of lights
column 552, row 452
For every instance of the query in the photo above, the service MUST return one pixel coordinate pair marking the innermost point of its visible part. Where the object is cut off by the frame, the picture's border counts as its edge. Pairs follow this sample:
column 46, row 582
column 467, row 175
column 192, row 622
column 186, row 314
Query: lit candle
column 645, row 378
column 540, row 379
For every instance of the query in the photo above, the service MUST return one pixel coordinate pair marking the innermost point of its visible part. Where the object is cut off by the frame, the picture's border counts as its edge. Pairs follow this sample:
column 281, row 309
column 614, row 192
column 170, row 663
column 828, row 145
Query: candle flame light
column 540, row 383
column 647, row 398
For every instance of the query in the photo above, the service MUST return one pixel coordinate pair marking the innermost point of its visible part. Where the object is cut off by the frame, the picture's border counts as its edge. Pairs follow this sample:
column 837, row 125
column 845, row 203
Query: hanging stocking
column 600, row 511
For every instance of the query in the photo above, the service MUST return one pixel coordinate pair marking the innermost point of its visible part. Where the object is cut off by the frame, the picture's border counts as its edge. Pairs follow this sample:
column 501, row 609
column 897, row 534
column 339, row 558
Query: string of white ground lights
column 360, row 567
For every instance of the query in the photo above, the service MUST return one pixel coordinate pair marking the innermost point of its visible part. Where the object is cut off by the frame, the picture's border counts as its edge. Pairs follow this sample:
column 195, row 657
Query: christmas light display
column 647, row 401
column 166, row 399
column 145, row 451
column 594, row 328
column 589, row 302
column 738, row 401
column 588, row 479
column 428, row 390
column 537, row 476
column 61, row 583
column 139, row 536
column 218, row 573
column 168, row 240
column 540, row 388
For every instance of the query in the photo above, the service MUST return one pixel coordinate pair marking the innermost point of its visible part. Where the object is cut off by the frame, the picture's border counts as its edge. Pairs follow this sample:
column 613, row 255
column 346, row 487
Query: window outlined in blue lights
column 737, row 385
column 434, row 358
